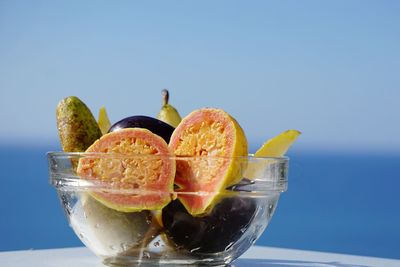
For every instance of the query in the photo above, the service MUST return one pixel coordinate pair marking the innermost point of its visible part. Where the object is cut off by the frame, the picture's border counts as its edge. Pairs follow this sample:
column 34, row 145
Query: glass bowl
column 171, row 236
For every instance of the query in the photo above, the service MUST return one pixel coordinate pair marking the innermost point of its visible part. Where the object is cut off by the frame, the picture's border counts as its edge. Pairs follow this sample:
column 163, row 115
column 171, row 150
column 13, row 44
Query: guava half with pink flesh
column 211, row 149
column 134, row 168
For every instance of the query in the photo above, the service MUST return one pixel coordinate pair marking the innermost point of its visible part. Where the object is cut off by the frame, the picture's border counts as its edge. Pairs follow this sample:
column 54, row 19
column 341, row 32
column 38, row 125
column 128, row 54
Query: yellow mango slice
column 274, row 147
column 103, row 121
column 279, row 145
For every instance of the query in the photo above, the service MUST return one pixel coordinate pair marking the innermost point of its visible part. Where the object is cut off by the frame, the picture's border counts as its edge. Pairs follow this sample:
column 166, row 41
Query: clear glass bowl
column 170, row 236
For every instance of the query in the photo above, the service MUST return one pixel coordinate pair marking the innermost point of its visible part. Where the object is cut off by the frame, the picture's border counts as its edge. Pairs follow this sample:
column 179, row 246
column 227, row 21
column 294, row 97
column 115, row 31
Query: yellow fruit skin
column 241, row 151
column 279, row 145
column 274, row 147
column 235, row 152
column 103, row 121
column 169, row 115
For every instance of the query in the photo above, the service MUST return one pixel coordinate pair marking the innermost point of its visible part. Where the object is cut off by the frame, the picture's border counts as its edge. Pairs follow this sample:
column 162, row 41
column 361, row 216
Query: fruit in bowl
column 145, row 191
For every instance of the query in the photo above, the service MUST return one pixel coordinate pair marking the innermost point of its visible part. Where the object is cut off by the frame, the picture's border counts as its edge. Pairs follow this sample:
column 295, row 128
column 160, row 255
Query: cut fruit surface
column 213, row 144
column 137, row 162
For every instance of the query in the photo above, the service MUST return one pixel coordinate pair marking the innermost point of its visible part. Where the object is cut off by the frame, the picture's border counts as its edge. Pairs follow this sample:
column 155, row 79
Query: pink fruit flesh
column 134, row 160
column 209, row 138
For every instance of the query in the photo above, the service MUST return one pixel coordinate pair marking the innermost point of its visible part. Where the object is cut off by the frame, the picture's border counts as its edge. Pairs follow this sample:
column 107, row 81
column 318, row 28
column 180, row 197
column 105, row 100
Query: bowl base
column 155, row 260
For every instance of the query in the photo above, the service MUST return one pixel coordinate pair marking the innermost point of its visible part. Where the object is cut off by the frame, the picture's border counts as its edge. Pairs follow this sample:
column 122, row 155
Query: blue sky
column 327, row 68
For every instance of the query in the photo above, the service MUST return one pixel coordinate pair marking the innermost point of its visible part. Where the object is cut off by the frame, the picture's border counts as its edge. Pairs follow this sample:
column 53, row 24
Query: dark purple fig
column 212, row 233
column 156, row 126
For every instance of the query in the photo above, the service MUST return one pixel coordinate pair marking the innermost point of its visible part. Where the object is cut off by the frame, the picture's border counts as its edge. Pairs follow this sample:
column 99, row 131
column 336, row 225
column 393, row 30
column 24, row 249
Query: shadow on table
column 288, row 263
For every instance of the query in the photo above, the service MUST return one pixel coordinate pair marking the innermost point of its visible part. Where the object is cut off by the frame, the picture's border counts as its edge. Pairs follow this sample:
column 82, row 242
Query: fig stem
column 165, row 95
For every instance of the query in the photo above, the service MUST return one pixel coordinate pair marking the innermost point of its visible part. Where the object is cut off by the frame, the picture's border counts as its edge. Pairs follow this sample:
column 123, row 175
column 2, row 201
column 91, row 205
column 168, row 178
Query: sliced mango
column 279, row 145
column 103, row 121
column 274, row 147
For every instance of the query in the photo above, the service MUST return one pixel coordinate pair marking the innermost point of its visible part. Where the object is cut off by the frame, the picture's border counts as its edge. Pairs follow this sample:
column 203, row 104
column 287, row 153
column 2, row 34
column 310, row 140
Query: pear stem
column 165, row 95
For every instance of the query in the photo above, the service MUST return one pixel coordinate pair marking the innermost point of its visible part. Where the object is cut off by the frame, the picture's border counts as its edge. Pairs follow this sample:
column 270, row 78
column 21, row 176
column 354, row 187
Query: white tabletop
column 256, row 256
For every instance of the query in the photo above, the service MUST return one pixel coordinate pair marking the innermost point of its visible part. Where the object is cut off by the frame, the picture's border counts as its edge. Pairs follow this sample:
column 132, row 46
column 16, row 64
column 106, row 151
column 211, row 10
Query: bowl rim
column 66, row 179
column 107, row 154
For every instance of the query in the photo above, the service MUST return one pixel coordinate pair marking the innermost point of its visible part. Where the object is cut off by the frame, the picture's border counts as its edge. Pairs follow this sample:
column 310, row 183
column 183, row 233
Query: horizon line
column 300, row 147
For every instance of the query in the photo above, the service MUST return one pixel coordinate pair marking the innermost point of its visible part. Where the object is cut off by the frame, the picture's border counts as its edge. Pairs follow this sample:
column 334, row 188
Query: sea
column 343, row 202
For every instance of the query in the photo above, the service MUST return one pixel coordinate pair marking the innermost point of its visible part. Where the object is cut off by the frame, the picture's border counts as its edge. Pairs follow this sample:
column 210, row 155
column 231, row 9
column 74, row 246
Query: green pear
column 77, row 127
column 168, row 113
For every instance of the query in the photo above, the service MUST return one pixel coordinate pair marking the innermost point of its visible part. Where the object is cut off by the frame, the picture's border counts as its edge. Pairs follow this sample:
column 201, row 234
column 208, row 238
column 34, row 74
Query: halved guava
column 134, row 167
column 211, row 149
